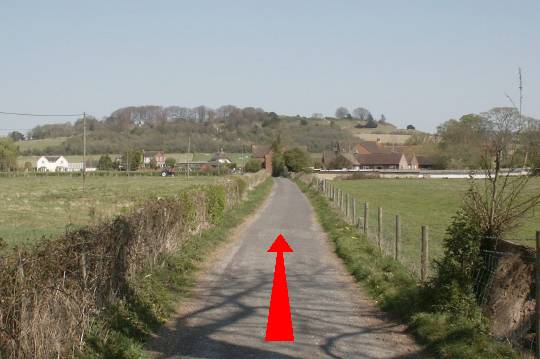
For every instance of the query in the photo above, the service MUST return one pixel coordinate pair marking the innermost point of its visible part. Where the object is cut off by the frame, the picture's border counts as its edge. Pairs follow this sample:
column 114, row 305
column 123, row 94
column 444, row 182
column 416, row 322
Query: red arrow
column 279, row 326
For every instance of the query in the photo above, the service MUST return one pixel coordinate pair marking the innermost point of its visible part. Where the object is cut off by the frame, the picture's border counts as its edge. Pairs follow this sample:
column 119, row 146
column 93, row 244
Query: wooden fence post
column 379, row 228
column 366, row 209
column 346, row 207
column 398, row 237
column 425, row 254
column 354, row 211
column 537, row 286
column 83, row 269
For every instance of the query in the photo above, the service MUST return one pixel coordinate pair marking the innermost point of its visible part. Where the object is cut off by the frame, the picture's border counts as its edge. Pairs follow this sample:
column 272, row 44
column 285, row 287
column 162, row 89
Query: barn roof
column 374, row 159
column 373, row 147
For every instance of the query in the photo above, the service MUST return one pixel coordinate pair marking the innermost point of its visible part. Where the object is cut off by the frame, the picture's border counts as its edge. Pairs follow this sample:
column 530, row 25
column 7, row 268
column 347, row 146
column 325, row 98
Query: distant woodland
column 168, row 128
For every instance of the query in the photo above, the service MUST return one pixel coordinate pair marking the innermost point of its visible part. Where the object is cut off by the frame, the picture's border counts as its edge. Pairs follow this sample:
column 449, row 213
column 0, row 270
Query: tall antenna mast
column 520, row 92
column 84, row 152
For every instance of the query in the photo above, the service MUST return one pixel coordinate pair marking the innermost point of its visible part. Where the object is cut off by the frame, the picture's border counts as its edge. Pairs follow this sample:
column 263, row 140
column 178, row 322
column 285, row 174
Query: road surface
column 332, row 318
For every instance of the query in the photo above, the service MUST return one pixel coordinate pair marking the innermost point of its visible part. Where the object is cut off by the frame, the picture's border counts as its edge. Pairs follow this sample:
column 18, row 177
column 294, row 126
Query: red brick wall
column 268, row 162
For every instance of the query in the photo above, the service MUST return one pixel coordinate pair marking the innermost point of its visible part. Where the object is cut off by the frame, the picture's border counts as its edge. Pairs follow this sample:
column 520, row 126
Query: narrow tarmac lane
column 227, row 316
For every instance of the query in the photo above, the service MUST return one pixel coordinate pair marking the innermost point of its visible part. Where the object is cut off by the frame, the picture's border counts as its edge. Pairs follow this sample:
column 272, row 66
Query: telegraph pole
column 520, row 92
column 243, row 160
column 84, row 151
column 218, row 163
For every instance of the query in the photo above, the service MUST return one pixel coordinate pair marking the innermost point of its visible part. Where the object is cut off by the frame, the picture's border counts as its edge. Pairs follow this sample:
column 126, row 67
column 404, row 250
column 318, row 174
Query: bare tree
column 341, row 112
column 501, row 202
column 361, row 114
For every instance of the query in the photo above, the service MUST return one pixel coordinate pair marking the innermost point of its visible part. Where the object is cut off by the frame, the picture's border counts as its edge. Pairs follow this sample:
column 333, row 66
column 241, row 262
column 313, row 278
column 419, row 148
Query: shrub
column 105, row 163
column 252, row 165
column 170, row 162
column 278, row 164
column 297, row 160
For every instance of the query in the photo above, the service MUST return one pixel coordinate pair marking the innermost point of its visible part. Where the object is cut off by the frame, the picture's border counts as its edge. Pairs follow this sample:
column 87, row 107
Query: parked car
column 167, row 172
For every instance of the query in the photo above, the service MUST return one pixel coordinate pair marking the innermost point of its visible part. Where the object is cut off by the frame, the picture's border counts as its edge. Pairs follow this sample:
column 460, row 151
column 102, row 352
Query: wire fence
column 505, row 280
column 387, row 230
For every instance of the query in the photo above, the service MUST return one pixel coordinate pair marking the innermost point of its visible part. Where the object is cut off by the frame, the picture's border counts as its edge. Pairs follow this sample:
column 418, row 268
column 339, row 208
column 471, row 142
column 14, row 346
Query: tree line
column 462, row 143
column 171, row 129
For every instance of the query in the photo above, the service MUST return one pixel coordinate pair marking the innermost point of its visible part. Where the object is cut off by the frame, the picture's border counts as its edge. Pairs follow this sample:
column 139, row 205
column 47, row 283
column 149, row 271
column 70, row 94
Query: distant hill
column 156, row 128
column 386, row 133
column 207, row 130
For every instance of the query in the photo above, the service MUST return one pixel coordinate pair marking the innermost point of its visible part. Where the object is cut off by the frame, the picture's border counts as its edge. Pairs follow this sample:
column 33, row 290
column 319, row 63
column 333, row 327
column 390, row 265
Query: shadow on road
column 231, row 322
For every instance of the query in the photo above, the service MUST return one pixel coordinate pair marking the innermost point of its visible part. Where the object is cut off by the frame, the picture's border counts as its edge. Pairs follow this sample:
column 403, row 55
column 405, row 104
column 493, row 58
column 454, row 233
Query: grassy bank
column 397, row 292
column 33, row 207
column 154, row 294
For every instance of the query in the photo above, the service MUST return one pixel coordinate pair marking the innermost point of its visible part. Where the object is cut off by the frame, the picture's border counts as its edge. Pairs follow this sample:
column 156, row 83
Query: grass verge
column 397, row 292
column 120, row 330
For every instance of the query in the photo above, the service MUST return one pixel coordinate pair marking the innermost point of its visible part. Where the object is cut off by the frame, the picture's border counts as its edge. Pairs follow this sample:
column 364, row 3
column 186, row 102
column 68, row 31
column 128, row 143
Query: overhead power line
column 41, row 114
column 15, row 129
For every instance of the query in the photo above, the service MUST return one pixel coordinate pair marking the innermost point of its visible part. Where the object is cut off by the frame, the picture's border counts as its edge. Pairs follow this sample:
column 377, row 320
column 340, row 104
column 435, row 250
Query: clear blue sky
column 419, row 62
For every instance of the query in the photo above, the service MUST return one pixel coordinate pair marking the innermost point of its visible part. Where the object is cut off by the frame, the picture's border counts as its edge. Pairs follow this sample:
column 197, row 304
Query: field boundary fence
column 370, row 222
column 494, row 274
column 98, row 174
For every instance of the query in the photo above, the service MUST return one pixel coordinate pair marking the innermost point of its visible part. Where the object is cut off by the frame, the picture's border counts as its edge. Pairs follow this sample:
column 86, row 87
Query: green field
column 430, row 202
column 33, row 207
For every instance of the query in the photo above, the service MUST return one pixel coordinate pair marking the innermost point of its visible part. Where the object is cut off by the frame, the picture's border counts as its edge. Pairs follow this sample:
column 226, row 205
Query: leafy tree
column 132, row 159
column 304, row 122
column 170, row 162
column 462, row 141
column 16, row 136
column 278, row 164
column 252, row 165
column 410, row 127
column 338, row 163
column 28, row 166
column 52, row 131
column 105, row 163
column 277, row 144
column 153, row 164
column 382, row 119
column 8, row 155
column 342, row 112
column 371, row 123
column 297, row 160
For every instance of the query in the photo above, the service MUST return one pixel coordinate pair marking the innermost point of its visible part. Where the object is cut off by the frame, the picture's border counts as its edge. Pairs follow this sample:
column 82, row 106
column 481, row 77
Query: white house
column 221, row 158
column 52, row 164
